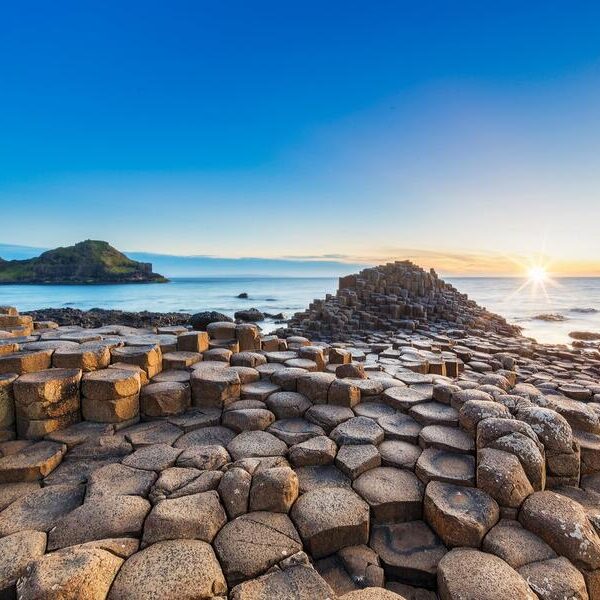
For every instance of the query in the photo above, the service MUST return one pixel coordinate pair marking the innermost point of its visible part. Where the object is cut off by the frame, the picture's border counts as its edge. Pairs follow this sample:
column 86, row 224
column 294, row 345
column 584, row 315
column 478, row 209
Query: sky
column 462, row 135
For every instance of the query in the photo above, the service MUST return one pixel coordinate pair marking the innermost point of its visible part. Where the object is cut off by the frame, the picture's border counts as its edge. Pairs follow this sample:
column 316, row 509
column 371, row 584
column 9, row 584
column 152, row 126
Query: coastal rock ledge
column 452, row 458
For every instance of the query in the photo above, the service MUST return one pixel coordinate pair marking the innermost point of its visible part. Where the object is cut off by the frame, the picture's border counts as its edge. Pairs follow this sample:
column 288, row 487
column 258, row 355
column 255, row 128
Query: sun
column 537, row 274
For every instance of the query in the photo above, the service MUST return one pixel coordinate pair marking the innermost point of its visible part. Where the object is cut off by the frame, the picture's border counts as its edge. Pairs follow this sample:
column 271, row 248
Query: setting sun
column 537, row 274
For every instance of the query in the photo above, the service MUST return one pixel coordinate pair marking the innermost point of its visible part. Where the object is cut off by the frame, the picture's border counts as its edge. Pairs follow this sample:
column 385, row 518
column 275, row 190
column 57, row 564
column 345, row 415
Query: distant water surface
column 288, row 295
column 576, row 299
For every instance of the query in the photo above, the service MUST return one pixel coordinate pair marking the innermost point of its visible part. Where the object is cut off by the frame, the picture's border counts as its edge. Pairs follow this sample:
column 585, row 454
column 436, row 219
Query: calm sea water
column 288, row 295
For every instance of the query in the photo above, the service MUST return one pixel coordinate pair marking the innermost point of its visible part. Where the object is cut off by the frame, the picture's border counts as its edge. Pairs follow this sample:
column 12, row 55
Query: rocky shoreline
column 396, row 441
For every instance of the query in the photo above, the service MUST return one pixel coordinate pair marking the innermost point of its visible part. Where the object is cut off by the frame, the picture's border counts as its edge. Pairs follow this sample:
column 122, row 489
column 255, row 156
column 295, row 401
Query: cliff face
column 86, row 262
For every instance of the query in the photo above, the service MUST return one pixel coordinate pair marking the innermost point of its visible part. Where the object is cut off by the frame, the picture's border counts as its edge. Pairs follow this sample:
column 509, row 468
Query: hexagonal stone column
column 331, row 518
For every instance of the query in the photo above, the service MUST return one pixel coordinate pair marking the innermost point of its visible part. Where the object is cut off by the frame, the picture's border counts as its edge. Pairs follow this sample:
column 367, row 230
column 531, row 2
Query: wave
column 585, row 311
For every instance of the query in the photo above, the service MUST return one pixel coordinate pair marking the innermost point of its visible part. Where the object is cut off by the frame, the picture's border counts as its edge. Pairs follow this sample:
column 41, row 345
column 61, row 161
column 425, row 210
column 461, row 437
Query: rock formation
column 448, row 460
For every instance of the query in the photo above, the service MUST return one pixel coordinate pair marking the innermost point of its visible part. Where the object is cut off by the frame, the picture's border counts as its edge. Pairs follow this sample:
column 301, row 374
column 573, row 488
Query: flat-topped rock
column 206, row 436
column 354, row 460
column 185, row 569
column 408, row 551
column 404, row 398
column 197, row 516
column 108, row 384
column 392, row 494
column 32, row 462
column 399, row 454
column 328, row 416
column 249, row 545
column 295, row 431
column 165, row 399
column 300, row 582
column 288, row 405
column 442, row 437
column 321, row 476
column 70, row 573
column 331, row 518
column 434, row 413
column 400, row 427
column 358, row 430
column 461, row 516
column 118, row 479
column 248, row 419
column 319, row 450
column 451, row 467
column 100, row 517
column 152, row 458
column 250, row 444
column 16, row 552
column 469, row 573
column 40, row 509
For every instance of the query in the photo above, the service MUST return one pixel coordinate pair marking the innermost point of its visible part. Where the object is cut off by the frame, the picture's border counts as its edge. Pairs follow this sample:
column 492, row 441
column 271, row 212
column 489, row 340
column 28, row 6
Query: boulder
column 514, row 544
column 196, row 517
column 461, row 516
column 251, row 544
column 409, row 552
column 563, row 524
column 501, row 475
column 274, row 490
column 468, row 573
column 392, row 494
column 170, row 570
column 16, row 552
column 329, row 519
column 101, row 517
column 70, row 573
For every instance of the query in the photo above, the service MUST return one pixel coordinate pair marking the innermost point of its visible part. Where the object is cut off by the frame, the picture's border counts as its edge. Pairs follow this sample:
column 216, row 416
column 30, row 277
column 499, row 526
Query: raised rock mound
column 389, row 297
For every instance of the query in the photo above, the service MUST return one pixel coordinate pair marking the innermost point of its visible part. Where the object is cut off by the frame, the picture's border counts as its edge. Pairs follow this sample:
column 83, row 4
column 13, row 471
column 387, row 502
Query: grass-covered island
column 91, row 261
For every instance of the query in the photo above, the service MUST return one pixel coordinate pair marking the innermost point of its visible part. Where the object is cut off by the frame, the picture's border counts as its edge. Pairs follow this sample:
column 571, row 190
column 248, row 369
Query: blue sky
column 463, row 135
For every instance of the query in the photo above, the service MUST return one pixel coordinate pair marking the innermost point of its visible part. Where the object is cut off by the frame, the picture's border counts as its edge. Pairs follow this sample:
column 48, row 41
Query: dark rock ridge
column 90, row 261
column 398, row 295
column 97, row 317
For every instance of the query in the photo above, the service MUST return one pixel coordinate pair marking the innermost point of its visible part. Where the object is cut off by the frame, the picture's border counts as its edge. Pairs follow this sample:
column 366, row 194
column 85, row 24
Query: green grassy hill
column 86, row 262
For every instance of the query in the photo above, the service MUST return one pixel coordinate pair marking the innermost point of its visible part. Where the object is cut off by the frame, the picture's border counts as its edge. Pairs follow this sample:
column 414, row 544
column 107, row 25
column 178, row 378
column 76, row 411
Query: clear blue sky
column 463, row 134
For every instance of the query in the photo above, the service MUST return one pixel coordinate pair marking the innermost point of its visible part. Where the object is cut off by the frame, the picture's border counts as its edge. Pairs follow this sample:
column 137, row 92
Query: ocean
column 576, row 300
